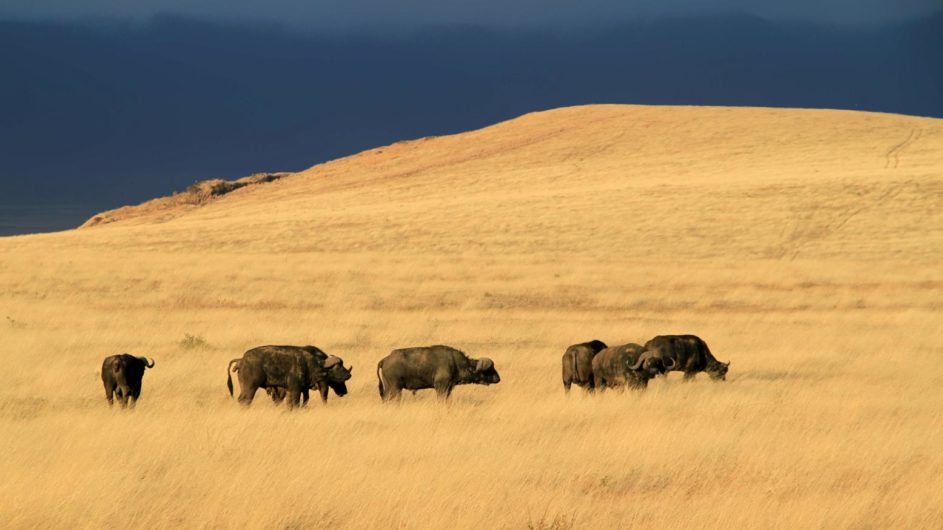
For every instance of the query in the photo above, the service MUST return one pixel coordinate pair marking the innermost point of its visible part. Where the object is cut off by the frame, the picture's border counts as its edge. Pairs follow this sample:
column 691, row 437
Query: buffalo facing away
column 295, row 369
column 122, row 375
column 578, row 364
column 689, row 354
column 438, row 367
column 629, row 365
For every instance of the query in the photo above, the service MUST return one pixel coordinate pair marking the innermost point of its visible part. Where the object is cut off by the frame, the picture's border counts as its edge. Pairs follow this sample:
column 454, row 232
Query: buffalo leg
column 246, row 393
column 109, row 394
column 443, row 390
column 688, row 376
column 599, row 383
column 294, row 397
column 442, row 383
column 566, row 387
column 123, row 395
column 277, row 393
column 135, row 393
column 392, row 393
column 304, row 397
column 323, row 388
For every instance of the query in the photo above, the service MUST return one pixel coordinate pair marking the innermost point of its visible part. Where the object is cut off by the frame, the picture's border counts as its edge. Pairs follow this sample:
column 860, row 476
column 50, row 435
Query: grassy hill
column 803, row 245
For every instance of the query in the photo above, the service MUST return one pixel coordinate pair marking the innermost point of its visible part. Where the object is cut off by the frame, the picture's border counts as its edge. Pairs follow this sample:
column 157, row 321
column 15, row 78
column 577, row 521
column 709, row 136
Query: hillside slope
column 802, row 245
column 672, row 181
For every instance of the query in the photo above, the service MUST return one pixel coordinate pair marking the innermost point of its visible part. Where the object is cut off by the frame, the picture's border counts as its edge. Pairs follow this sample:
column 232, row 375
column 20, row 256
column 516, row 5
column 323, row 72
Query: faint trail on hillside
column 892, row 157
column 577, row 158
column 818, row 224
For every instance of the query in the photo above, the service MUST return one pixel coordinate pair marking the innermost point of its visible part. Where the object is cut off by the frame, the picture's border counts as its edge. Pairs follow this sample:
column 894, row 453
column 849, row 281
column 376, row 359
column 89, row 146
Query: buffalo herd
column 593, row 365
column 288, row 373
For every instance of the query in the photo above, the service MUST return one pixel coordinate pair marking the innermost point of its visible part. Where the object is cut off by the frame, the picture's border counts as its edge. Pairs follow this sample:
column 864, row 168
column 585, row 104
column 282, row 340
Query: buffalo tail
column 229, row 371
column 380, row 378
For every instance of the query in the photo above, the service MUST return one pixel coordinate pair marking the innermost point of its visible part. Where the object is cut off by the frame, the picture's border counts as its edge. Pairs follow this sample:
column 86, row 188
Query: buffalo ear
column 484, row 364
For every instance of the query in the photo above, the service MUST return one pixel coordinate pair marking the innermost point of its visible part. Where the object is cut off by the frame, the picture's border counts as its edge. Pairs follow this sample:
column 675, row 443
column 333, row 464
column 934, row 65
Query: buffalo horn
column 331, row 361
column 484, row 364
column 144, row 360
column 641, row 360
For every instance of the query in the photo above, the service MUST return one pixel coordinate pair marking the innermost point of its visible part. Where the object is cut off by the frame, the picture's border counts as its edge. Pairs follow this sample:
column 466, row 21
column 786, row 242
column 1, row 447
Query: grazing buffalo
column 629, row 365
column 438, row 367
column 578, row 364
column 122, row 375
column 689, row 354
column 292, row 368
column 336, row 380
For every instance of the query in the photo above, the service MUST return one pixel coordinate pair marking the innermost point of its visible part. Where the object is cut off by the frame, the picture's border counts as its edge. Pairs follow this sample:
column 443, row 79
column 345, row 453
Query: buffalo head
column 651, row 365
column 337, row 374
column 717, row 370
column 485, row 374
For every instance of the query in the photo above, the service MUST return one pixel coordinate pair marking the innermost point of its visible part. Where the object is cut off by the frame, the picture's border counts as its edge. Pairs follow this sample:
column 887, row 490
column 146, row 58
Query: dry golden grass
column 804, row 246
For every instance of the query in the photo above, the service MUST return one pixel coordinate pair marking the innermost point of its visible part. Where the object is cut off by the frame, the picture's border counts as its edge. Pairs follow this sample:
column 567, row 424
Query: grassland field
column 803, row 245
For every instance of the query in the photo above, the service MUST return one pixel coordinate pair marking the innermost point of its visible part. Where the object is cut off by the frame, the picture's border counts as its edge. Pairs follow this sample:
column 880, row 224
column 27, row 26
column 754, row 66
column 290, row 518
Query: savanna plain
column 803, row 245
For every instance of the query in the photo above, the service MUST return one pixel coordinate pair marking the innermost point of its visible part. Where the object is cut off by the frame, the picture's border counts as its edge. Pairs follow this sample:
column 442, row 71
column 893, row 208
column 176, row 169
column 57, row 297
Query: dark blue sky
column 110, row 104
column 333, row 15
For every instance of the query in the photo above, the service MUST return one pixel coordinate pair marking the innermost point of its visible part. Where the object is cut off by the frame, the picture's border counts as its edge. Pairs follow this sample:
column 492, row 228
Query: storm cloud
column 340, row 15
column 109, row 103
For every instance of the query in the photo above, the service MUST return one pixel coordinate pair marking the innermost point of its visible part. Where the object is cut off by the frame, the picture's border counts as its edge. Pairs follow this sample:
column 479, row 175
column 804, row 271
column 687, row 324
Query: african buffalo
column 438, row 367
column 290, row 367
column 628, row 365
column 578, row 364
column 690, row 355
column 121, row 375
column 275, row 392
column 337, row 375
